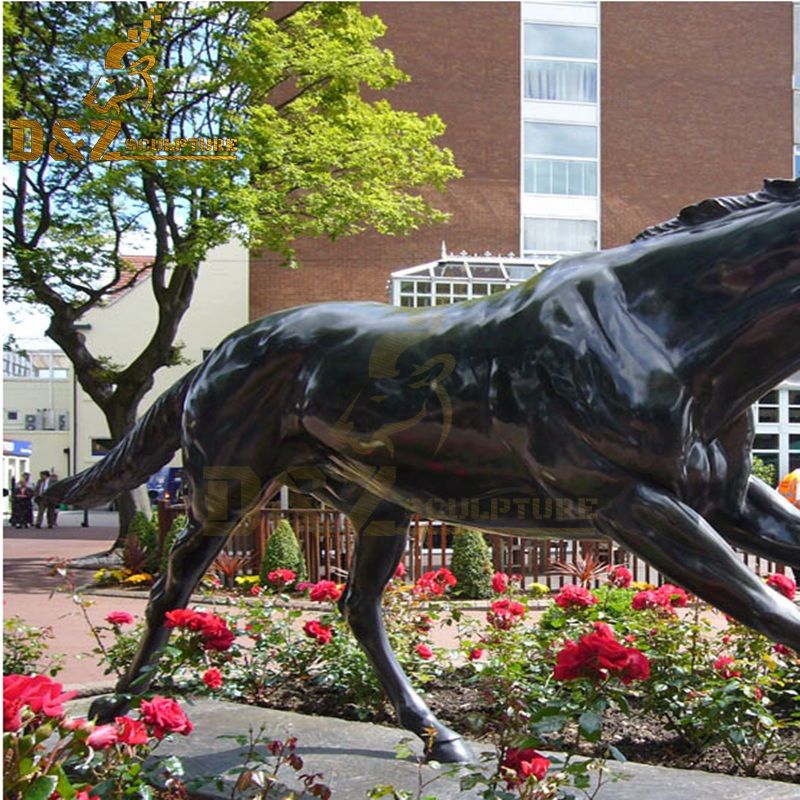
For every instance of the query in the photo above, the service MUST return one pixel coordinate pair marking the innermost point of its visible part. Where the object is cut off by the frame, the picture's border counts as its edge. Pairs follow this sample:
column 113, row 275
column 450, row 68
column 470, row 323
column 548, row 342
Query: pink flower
column 782, row 583
column 400, row 572
column 519, row 765
column 620, row 576
column 325, row 590
column 723, row 664
column 212, row 678
column 500, row 582
column 505, row 613
column 41, row 694
column 423, row 651
column 119, row 618
column 131, row 731
column 255, row 591
column 314, row 629
column 476, row 654
column 165, row 716
column 572, row 596
column 102, row 737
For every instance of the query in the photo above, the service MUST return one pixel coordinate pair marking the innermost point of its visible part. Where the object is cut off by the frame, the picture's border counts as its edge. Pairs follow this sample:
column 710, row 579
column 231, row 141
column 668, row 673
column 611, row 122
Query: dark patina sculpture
column 611, row 393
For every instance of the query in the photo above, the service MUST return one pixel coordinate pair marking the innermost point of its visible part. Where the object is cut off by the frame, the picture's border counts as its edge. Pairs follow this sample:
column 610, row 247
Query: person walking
column 44, row 506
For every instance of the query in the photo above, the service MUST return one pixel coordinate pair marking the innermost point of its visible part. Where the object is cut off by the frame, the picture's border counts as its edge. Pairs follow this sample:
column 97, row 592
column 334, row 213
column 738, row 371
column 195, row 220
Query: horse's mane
column 774, row 191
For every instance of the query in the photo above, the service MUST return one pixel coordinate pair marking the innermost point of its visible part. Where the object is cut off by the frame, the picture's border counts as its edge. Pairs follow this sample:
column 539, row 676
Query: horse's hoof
column 456, row 751
column 105, row 709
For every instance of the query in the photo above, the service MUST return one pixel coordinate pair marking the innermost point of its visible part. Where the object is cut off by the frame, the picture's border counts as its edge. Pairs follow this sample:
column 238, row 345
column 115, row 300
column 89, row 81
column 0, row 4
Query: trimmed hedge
column 472, row 565
column 283, row 552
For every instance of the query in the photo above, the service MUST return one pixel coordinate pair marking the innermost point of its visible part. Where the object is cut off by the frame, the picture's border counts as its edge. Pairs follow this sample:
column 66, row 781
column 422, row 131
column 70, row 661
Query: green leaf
column 41, row 789
column 590, row 723
column 616, row 754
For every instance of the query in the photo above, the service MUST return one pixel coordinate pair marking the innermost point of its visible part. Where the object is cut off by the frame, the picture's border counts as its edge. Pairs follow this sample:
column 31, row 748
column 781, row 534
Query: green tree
column 315, row 157
column 471, row 564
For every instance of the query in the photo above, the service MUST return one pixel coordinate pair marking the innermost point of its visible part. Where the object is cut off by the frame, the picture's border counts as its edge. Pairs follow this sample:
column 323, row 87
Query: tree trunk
column 121, row 417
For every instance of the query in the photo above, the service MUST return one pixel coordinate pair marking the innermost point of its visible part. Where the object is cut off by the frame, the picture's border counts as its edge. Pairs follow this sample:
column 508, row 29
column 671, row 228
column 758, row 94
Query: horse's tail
column 149, row 446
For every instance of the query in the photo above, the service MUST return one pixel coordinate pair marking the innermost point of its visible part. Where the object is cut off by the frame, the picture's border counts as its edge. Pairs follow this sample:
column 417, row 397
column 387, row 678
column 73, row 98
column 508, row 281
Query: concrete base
column 353, row 757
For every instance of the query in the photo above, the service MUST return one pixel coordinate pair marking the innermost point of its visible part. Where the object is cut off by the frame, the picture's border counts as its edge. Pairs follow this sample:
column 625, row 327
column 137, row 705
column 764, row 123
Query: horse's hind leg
column 195, row 548
column 381, row 542
column 679, row 543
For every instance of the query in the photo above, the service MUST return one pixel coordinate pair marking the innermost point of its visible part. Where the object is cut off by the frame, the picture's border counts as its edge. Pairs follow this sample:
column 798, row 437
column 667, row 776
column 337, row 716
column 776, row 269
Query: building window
column 101, row 447
column 575, row 173
column 561, row 63
column 559, row 236
column 797, row 161
column 777, row 439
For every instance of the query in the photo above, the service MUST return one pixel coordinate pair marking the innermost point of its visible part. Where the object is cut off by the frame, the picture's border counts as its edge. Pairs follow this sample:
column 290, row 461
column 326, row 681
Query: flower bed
column 622, row 671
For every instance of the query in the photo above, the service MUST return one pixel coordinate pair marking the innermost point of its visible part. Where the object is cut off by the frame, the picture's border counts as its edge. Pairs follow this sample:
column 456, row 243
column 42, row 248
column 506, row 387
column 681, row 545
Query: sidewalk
column 30, row 589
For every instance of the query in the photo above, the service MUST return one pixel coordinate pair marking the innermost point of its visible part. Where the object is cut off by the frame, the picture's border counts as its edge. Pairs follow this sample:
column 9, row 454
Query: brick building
column 577, row 124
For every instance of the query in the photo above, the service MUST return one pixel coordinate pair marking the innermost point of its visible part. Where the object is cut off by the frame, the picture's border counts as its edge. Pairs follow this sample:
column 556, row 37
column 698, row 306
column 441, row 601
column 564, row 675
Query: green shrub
column 472, row 565
column 25, row 649
column 283, row 552
column 145, row 530
column 169, row 540
column 765, row 471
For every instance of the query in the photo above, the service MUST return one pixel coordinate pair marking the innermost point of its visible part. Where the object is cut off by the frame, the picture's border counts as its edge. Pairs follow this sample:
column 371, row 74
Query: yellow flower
column 539, row 590
column 139, row 577
column 248, row 580
column 642, row 586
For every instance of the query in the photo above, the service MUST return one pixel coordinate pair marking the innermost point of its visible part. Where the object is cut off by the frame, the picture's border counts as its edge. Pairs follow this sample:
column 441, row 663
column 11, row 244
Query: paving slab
column 353, row 757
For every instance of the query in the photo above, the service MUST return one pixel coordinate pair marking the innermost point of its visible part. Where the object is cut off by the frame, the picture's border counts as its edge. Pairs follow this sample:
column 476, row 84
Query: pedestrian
column 44, row 507
column 22, row 503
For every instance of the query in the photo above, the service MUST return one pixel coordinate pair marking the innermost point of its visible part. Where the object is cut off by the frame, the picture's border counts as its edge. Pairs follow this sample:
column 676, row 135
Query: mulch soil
column 640, row 738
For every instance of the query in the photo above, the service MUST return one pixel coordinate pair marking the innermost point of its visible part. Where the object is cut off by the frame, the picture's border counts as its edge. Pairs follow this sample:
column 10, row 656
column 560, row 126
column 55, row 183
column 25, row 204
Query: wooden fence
column 327, row 539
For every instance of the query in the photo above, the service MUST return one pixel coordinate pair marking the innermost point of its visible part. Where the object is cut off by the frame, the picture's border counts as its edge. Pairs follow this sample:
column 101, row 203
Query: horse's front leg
column 766, row 525
column 679, row 543
column 380, row 546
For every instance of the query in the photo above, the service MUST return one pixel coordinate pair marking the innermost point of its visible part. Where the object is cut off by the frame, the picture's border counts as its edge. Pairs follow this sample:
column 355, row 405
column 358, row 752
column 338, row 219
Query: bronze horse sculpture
column 616, row 386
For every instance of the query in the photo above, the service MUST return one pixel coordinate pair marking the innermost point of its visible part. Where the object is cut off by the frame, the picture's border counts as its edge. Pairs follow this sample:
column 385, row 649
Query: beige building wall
column 121, row 329
column 39, row 411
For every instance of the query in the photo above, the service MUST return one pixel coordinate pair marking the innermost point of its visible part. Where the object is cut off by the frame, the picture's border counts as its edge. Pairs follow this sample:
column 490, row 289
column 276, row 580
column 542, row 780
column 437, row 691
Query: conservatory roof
column 466, row 267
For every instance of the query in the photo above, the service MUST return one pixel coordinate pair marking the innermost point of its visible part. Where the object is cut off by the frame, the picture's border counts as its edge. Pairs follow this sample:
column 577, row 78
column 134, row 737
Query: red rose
column 620, row 576
column 281, row 577
column 476, row 654
column 314, row 629
column 435, row 582
column 38, row 692
column 423, row 651
column 505, row 613
column 519, row 765
column 131, row 731
column 119, row 618
column 216, row 634
column 500, row 582
column 665, row 598
column 325, row 590
column 723, row 664
column 781, row 649
column 102, row 737
column 572, row 596
column 599, row 655
column 165, row 716
column 212, row 678
column 784, row 584
column 255, row 591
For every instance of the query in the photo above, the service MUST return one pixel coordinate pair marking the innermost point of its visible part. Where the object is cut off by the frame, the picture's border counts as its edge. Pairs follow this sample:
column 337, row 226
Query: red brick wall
column 696, row 102
column 463, row 59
